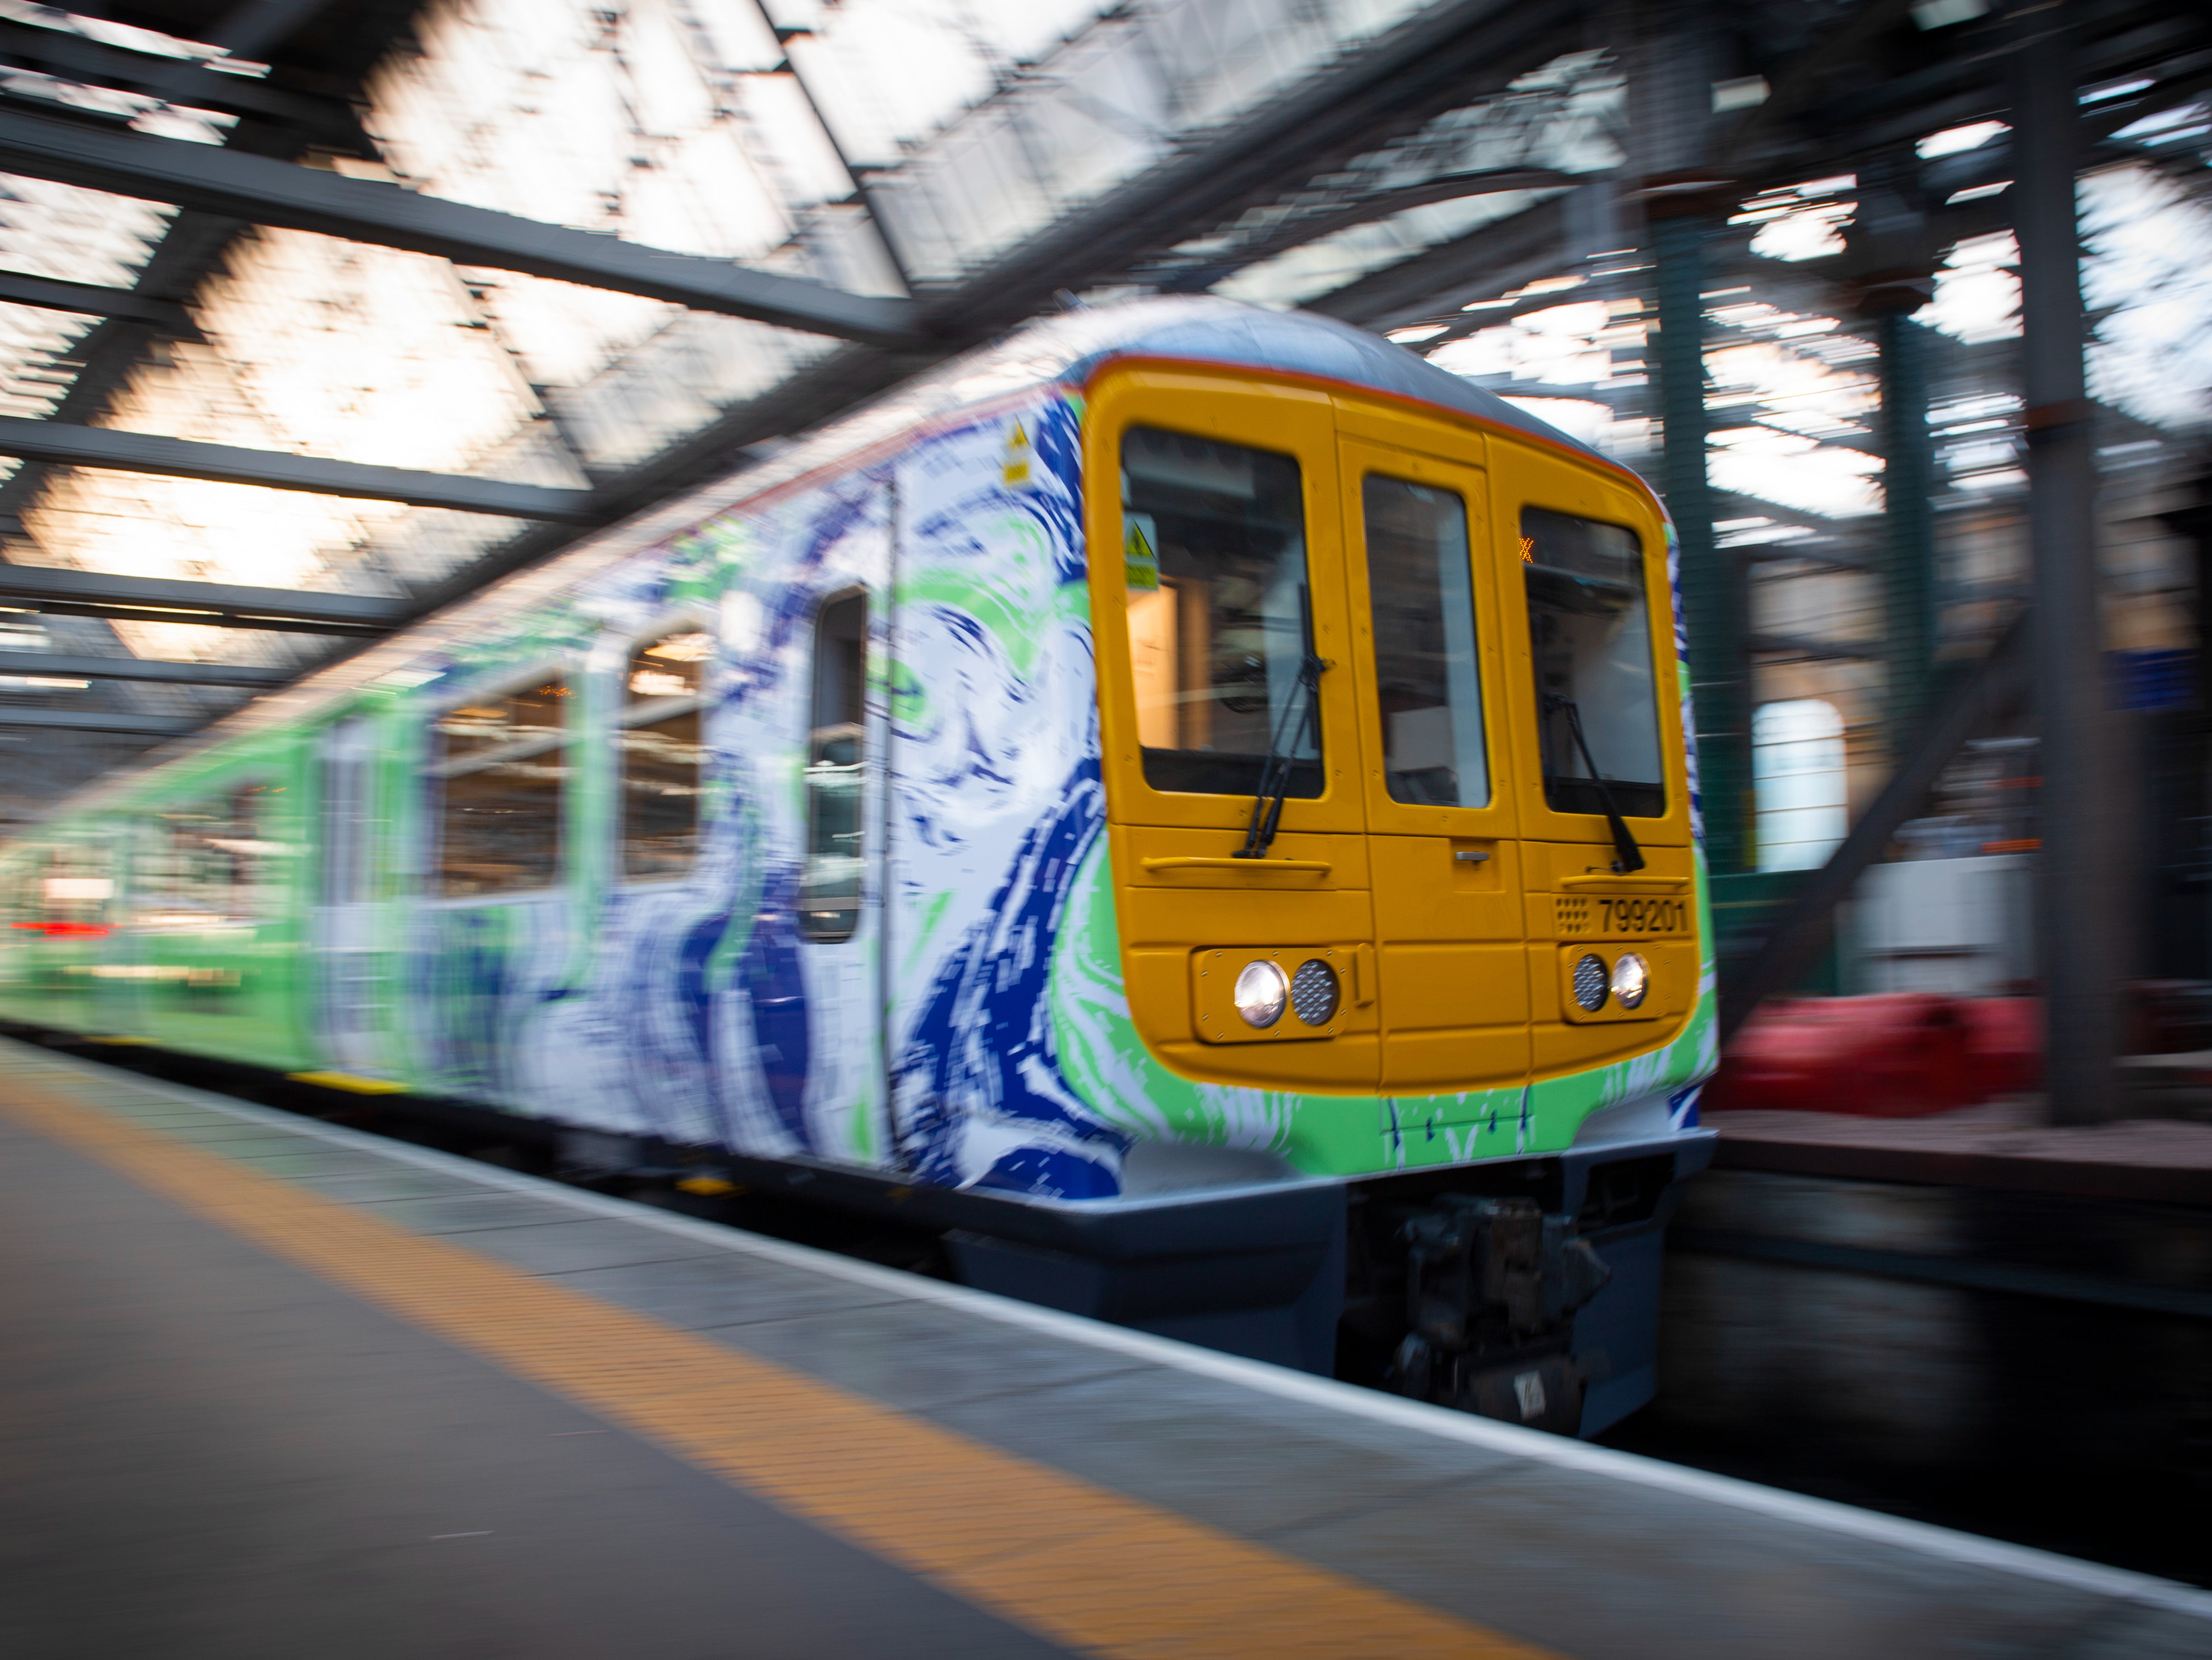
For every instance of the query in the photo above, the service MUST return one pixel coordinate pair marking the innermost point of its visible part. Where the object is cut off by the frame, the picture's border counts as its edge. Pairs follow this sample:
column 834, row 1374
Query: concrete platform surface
column 270, row 1388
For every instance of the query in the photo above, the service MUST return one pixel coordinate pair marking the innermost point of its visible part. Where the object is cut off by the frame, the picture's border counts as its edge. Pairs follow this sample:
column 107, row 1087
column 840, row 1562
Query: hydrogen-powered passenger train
column 1190, row 802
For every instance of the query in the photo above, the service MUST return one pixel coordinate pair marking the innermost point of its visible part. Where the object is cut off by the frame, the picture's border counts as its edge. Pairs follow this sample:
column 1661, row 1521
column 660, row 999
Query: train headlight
column 1313, row 992
column 1262, row 989
column 1632, row 980
column 1589, row 984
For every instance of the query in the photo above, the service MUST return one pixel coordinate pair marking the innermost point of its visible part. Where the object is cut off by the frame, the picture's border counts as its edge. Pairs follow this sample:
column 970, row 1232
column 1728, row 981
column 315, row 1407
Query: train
column 1195, row 803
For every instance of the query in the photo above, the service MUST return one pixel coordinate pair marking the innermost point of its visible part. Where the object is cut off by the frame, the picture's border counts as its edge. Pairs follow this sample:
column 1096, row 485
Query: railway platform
column 270, row 1387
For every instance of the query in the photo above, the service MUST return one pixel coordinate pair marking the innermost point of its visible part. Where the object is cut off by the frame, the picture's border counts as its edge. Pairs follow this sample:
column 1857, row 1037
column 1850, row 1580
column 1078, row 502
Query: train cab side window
column 836, row 739
column 661, row 744
column 1420, row 584
column 503, row 766
column 1215, row 554
column 1597, row 700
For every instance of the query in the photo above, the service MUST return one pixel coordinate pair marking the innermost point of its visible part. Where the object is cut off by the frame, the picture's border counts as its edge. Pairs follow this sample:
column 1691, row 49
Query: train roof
column 1203, row 329
column 1067, row 350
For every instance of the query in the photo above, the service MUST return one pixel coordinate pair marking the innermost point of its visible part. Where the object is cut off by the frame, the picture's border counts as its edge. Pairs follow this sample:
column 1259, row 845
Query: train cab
column 1398, row 803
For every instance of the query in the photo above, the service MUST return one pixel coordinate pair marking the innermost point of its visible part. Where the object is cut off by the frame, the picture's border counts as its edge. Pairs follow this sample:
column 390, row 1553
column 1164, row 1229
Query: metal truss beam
column 89, row 299
column 158, row 599
column 143, row 726
column 63, row 444
column 264, row 191
column 55, row 665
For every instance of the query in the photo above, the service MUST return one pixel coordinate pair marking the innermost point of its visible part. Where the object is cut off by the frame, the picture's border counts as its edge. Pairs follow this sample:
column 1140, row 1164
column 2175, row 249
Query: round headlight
column 1589, row 984
column 1262, row 990
column 1632, row 979
column 1312, row 992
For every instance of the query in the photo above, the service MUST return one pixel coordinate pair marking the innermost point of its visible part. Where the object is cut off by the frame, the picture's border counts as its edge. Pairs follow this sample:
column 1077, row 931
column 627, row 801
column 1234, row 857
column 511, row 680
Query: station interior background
column 1773, row 257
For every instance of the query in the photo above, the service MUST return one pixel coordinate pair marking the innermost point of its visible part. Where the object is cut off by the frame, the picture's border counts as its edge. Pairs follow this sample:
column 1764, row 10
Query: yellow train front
column 1400, row 809
column 1192, row 804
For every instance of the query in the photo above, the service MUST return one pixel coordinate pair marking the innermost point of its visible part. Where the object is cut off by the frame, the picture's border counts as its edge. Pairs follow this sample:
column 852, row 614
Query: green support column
column 1715, row 603
column 1908, row 486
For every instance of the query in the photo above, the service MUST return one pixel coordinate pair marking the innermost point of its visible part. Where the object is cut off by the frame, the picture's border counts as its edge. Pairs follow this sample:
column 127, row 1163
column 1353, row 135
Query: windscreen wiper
column 1628, row 856
column 1275, row 775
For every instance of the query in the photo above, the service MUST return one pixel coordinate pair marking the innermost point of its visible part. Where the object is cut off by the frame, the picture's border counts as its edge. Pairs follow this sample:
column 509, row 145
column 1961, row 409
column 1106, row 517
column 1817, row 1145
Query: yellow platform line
column 1087, row 1568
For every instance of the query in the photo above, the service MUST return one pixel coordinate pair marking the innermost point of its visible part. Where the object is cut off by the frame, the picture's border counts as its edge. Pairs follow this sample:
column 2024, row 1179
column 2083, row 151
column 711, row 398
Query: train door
column 1613, row 956
column 1229, row 727
column 835, row 1069
column 1443, row 817
column 350, row 1017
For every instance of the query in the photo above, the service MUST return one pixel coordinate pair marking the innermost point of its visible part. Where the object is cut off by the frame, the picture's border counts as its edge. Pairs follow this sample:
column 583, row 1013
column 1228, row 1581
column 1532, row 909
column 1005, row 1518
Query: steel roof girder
column 144, row 725
column 67, row 666
column 174, row 80
column 92, row 300
column 64, row 444
column 283, row 194
column 165, row 599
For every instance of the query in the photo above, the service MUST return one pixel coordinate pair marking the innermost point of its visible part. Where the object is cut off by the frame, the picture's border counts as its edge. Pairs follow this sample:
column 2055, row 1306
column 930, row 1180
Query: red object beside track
column 1899, row 1055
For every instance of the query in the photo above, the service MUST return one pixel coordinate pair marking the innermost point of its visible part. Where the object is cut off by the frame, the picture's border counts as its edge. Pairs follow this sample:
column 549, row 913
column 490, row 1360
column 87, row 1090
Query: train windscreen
column 1427, row 682
column 1215, row 548
column 1597, row 701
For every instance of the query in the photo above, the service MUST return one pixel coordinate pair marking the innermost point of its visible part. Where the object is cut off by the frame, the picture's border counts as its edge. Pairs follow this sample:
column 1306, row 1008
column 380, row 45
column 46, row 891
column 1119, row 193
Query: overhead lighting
column 1953, row 141
column 2166, row 125
column 1419, row 332
column 1547, row 285
column 1487, row 305
column 1977, row 193
column 1942, row 14
column 1747, row 93
column 2118, row 89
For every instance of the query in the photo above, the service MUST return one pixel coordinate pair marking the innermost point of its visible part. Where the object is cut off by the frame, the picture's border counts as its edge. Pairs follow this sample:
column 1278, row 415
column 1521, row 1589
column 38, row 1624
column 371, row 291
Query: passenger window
column 503, row 765
column 829, row 887
column 1219, row 618
column 1596, row 699
column 76, row 892
column 1427, row 681
column 206, row 862
column 659, row 733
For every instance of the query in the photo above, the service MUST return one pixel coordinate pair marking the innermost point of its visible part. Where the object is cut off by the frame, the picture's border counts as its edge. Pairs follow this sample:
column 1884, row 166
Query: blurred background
column 1905, row 307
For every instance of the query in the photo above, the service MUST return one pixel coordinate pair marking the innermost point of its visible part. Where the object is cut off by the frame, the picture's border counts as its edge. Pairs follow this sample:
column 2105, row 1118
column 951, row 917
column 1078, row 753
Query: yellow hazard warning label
column 1140, row 559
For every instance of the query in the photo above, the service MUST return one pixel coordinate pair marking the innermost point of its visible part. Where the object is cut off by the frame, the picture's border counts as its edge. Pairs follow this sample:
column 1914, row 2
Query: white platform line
column 1918, row 1538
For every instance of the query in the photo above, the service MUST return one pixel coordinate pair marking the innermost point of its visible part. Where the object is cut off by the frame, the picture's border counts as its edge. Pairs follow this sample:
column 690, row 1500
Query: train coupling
column 1491, row 1288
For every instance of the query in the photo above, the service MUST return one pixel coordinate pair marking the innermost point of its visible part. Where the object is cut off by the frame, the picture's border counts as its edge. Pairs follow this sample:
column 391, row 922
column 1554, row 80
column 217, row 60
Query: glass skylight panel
column 1334, row 261
column 2147, row 243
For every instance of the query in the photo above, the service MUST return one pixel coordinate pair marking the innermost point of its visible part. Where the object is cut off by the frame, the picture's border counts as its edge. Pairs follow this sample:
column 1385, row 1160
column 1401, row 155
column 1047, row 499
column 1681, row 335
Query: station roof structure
column 316, row 316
